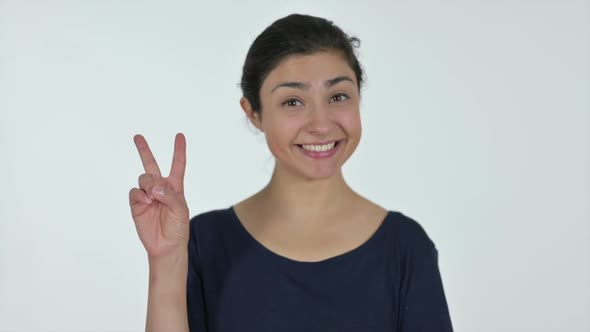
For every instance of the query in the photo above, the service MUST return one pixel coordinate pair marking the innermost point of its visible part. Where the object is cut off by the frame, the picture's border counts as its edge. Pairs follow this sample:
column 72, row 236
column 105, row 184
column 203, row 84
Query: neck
column 293, row 197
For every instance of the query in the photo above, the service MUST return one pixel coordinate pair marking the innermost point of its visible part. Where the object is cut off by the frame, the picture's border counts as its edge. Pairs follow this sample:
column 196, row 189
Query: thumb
column 174, row 201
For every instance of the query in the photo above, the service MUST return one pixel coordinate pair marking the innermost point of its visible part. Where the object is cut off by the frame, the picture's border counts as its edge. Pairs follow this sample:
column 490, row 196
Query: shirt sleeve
column 194, row 284
column 423, row 306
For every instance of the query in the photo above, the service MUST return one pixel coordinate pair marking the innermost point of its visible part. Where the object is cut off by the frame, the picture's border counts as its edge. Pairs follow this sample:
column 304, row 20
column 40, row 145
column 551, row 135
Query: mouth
column 320, row 149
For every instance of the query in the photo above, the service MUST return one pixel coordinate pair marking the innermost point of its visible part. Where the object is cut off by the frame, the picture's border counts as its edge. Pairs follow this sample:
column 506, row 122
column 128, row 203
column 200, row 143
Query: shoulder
column 404, row 231
column 408, row 233
column 210, row 222
column 209, row 216
column 205, row 231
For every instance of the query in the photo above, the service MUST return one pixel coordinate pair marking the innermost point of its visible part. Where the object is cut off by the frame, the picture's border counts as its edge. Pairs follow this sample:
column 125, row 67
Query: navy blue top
column 389, row 283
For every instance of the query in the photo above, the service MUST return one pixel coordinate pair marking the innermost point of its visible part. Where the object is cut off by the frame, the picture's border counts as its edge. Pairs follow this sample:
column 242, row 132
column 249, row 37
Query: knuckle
column 162, row 182
column 145, row 180
column 134, row 196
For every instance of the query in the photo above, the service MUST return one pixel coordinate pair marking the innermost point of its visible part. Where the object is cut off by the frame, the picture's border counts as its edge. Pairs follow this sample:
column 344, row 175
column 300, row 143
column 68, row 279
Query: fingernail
column 148, row 200
column 158, row 191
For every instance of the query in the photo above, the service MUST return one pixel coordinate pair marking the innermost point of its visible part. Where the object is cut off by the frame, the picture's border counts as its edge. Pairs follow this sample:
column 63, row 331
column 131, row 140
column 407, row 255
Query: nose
column 319, row 120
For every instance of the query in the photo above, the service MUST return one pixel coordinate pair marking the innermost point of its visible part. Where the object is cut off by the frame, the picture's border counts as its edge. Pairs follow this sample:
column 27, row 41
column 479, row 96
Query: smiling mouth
column 319, row 148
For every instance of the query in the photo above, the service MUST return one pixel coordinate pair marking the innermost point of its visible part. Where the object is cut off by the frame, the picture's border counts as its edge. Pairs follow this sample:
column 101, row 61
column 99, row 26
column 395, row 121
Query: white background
column 476, row 123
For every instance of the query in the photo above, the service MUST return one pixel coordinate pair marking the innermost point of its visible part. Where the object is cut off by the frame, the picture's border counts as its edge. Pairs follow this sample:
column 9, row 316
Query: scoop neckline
column 273, row 255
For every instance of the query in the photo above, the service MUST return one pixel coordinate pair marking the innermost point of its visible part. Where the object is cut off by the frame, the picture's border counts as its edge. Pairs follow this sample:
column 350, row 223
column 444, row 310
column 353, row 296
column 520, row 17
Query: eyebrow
column 303, row 86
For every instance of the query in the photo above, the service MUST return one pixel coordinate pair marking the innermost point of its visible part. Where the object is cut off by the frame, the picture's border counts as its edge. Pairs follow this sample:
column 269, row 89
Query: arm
column 423, row 305
column 167, row 309
column 161, row 217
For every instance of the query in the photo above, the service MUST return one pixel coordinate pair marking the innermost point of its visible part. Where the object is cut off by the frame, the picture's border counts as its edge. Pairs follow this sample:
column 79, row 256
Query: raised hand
column 158, row 206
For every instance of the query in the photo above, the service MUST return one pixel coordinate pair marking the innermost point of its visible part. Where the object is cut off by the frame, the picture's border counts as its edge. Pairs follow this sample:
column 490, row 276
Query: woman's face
column 309, row 101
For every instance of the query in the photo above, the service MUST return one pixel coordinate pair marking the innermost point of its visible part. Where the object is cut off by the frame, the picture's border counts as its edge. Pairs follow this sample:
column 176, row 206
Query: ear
column 254, row 117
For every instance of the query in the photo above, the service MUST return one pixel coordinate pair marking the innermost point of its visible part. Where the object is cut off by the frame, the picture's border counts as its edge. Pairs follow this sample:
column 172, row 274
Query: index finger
column 147, row 158
column 178, row 160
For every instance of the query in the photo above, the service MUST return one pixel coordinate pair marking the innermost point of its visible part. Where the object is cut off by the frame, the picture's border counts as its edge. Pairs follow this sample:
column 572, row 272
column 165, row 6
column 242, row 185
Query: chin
column 323, row 174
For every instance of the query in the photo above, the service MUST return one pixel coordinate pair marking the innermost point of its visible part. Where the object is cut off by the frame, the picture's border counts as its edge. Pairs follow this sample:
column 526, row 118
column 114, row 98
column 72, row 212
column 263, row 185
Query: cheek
column 351, row 123
column 280, row 135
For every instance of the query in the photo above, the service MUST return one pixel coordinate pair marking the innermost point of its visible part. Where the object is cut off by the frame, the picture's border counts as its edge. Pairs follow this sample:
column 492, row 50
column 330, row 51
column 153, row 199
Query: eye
column 291, row 102
column 339, row 97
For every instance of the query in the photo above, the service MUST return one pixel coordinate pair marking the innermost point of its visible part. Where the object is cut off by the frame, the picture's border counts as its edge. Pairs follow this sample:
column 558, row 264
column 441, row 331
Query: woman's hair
column 290, row 35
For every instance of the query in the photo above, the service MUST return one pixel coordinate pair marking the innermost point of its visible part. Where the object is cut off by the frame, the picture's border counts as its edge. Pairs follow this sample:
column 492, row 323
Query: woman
column 305, row 253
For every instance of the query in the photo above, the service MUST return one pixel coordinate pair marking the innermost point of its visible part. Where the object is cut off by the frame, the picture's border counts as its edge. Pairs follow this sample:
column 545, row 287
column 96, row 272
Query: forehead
column 313, row 69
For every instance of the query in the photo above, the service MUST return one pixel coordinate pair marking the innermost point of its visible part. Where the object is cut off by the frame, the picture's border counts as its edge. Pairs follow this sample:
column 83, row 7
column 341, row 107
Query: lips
column 320, row 143
column 321, row 154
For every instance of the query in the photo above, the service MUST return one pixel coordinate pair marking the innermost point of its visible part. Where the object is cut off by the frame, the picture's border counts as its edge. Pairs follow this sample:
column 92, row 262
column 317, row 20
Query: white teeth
column 318, row 148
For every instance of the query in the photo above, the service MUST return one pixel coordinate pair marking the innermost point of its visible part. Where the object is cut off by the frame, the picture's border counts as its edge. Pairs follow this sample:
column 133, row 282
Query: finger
column 172, row 200
column 178, row 161
column 147, row 158
column 147, row 181
column 137, row 196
